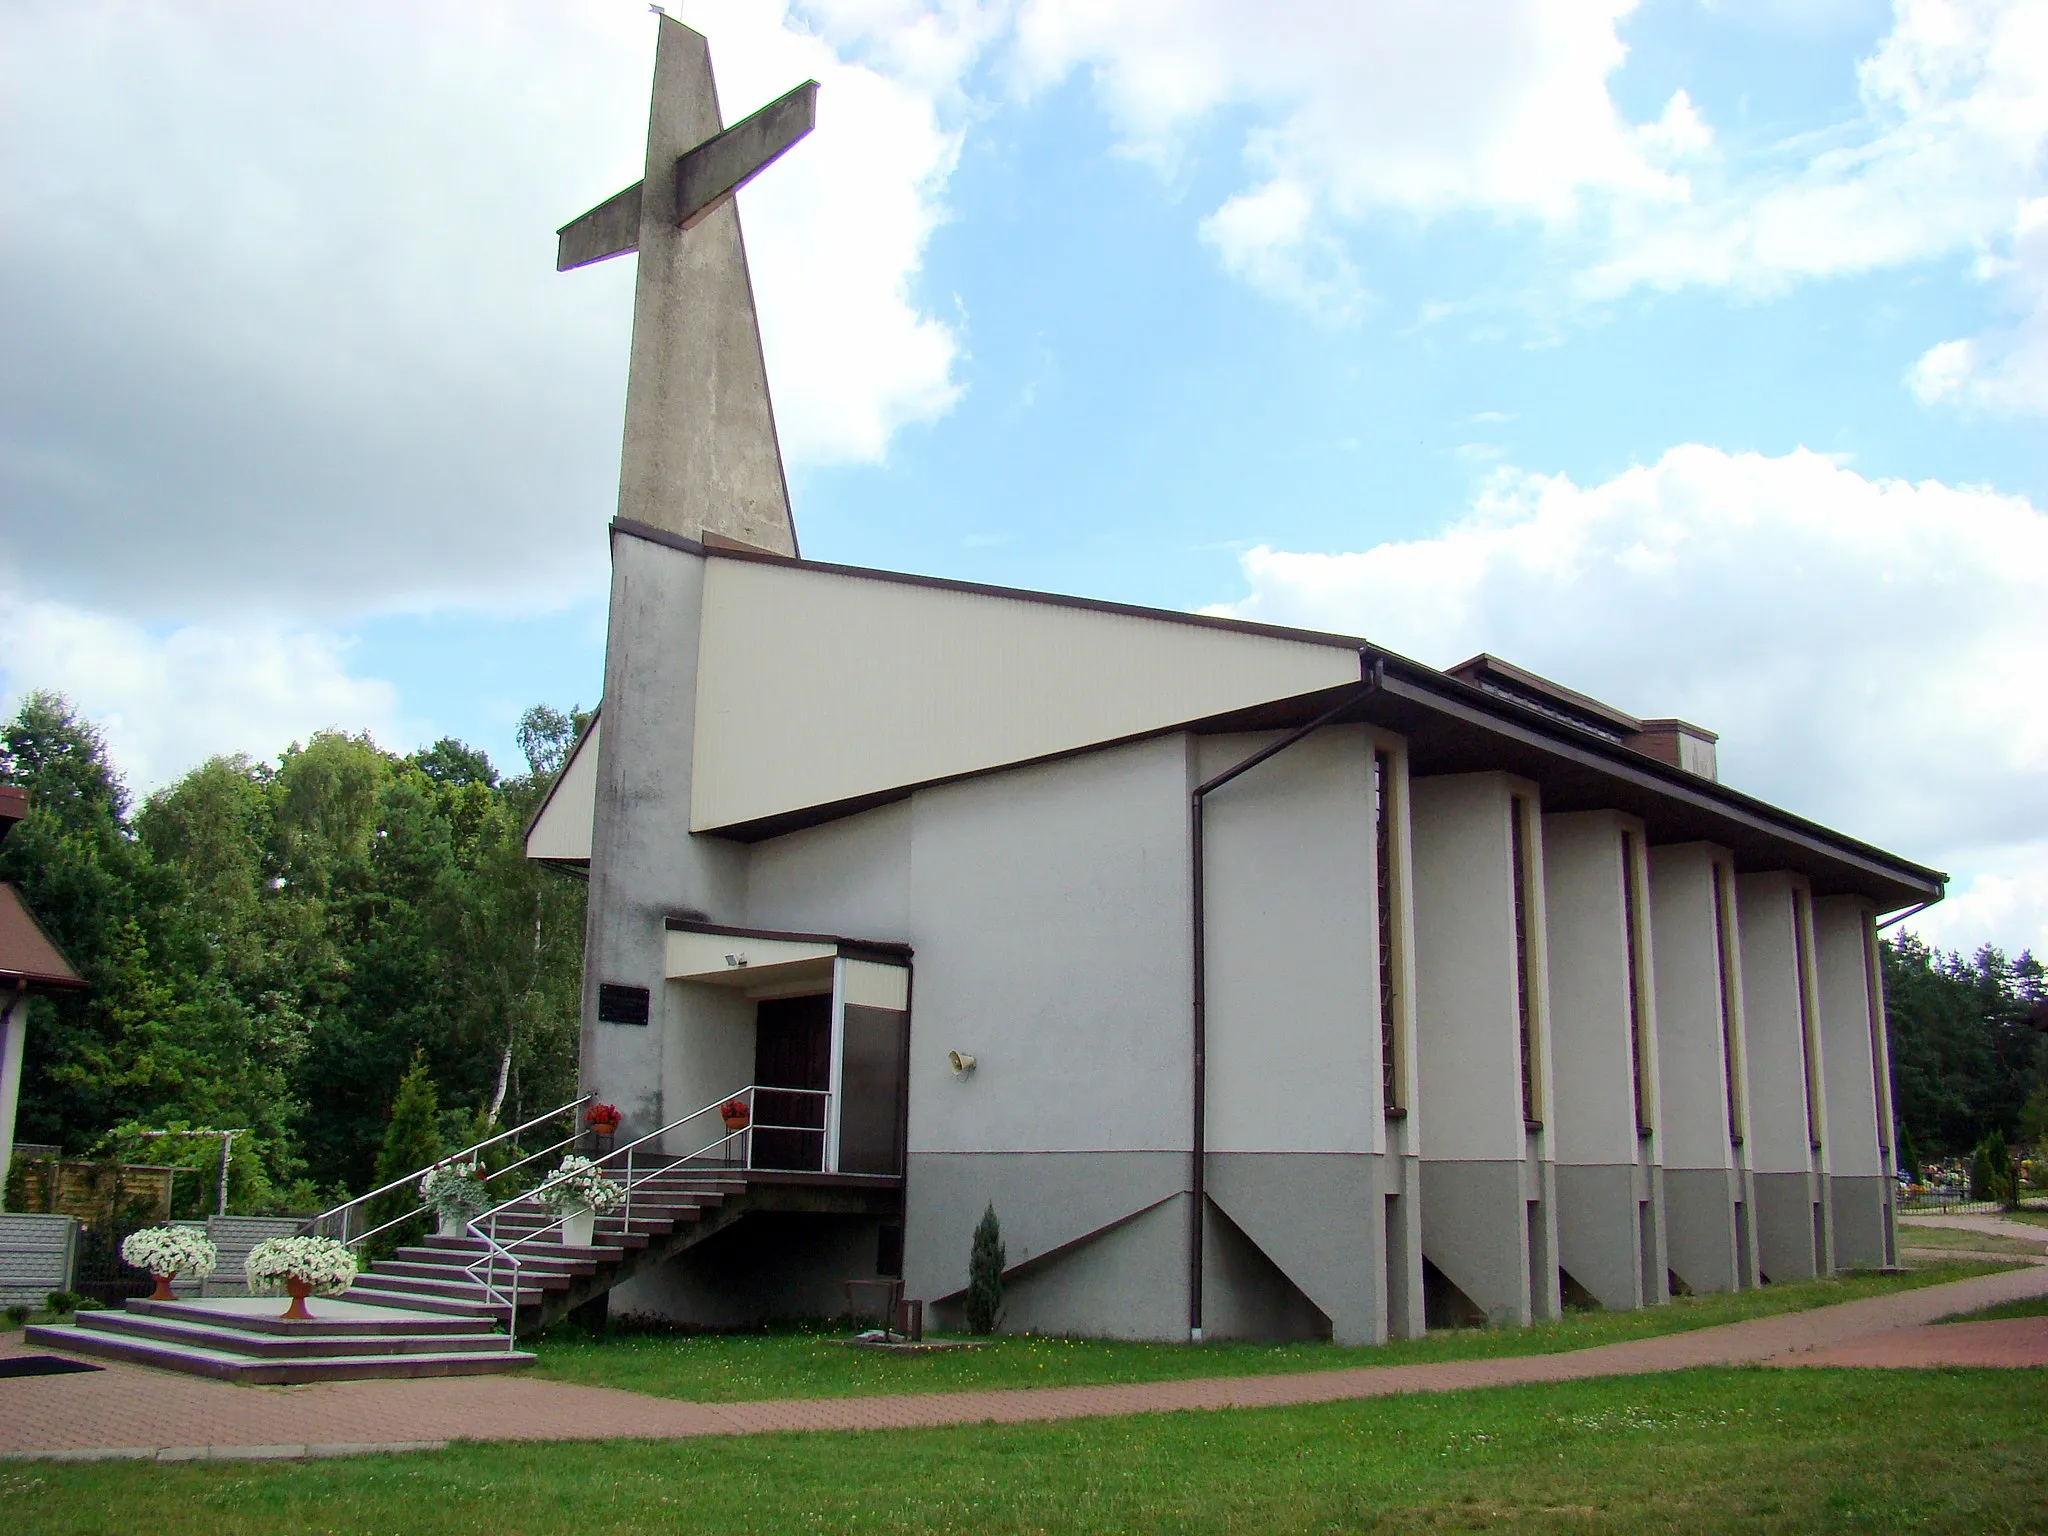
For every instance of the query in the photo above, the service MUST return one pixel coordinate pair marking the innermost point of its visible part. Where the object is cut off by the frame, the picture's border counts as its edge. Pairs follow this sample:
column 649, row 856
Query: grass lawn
column 2028, row 1306
column 740, row 1367
column 1697, row 1452
column 1913, row 1235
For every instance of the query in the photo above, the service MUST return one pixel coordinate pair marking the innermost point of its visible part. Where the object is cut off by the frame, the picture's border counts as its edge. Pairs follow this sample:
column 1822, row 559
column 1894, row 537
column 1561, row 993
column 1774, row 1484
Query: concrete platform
column 246, row 1339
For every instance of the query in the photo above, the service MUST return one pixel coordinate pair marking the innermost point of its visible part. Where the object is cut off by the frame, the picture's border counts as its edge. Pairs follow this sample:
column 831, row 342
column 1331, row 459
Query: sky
column 1694, row 354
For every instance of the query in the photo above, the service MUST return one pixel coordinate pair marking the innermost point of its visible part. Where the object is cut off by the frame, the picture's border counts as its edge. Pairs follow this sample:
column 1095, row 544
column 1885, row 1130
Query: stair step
column 491, row 1314
column 344, row 1316
column 534, row 1269
column 224, row 1365
column 404, row 1291
column 230, row 1339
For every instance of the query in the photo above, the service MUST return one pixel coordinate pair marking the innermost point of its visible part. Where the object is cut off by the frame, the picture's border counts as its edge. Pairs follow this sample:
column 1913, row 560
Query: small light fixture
column 961, row 1062
column 736, row 961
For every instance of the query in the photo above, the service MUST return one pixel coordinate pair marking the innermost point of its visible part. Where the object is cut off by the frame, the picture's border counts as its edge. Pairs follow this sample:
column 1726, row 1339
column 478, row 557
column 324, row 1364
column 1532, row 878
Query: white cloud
column 168, row 700
column 1867, row 648
column 2004, row 371
column 1505, row 108
column 284, row 325
column 1496, row 105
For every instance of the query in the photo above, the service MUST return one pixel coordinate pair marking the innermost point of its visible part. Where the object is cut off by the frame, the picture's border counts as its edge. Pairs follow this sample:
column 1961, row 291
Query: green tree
column 1991, row 1170
column 412, row 1141
column 985, row 1263
column 1964, row 1058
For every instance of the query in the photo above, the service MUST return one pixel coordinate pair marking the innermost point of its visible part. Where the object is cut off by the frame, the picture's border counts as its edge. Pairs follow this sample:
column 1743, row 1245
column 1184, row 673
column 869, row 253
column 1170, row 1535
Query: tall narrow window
column 1726, row 973
column 1519, row 851
column 1802, row 936
column 1383, row 860
column 1631, row 918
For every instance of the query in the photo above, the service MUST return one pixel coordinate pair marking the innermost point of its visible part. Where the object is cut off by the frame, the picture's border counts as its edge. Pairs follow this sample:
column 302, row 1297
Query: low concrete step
column 454, row 1288
column 224, row 1365
column 492, row 1315
column 259, row 1345
column 338, row 1315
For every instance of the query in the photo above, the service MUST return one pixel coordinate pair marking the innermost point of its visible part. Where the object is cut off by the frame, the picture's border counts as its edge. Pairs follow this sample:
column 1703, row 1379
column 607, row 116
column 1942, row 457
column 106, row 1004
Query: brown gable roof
column 28, row 957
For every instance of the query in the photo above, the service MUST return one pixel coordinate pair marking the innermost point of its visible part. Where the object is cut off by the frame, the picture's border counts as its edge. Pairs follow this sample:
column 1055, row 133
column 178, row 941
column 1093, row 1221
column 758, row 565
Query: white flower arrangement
column 579, row 1185
column 170, row 1251
column 319, row 1262
column 455, row 1189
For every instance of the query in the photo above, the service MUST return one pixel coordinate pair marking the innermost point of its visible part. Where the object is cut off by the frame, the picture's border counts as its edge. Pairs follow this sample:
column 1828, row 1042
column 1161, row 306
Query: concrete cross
column 700, row 453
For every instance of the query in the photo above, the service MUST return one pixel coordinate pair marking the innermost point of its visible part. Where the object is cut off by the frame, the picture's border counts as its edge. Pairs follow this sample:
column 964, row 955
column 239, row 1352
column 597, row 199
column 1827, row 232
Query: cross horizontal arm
column 709, row 174
column 706, row 177
column 610, row 229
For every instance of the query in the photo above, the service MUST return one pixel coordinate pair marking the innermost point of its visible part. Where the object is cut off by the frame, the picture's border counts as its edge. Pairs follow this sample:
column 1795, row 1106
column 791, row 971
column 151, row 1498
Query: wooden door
column 792, row 1049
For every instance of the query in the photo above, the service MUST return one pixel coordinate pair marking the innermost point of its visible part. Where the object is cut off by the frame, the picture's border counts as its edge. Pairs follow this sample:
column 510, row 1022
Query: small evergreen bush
column 985, row 1275
column 1991, row 1170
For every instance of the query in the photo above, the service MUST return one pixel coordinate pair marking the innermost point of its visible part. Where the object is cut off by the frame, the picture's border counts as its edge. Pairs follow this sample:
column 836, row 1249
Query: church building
column 1266, row 983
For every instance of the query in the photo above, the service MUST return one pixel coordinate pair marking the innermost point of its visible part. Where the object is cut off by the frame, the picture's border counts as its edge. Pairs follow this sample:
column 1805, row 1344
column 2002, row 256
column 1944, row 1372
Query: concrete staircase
column 244, row 1339
column 423, row 1312
column 670, row 1211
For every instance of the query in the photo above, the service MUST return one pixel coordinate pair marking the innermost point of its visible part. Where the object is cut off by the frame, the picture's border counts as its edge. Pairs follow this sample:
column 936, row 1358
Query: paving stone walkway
column 134, row 1411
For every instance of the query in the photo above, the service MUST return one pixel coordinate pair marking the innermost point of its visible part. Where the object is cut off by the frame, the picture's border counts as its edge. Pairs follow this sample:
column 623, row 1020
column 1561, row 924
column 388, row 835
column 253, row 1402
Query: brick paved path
column 136, row 1411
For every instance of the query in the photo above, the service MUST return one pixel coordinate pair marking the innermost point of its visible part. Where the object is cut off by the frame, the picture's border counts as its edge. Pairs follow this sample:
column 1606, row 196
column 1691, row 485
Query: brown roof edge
column 1669, row 779
column 1475, row 667
column 681, row 924
column 13, row 803
column 29, row 957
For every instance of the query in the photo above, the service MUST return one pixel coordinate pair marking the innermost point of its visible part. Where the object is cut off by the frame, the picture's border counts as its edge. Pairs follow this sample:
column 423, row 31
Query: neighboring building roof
column 13, row 807
column 826, row 689
column 28, row 956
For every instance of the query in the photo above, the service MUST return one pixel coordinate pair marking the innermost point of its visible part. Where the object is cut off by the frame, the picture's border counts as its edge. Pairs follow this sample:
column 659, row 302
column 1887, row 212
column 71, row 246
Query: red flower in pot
column 735, row 1114
column 603, row 1119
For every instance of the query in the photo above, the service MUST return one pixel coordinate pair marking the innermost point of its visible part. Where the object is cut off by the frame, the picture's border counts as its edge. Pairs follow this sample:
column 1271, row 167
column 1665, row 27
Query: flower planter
column 163, row 1289
column 579, row 1228
column 298, row 1290
column 451, row 1224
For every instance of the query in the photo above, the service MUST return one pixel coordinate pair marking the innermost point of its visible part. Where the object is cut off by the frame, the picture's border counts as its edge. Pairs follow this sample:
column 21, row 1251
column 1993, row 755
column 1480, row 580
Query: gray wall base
column 1704, row 1245
column 772, row 1265
column 1475, row 1228
column 1863, row 1221
column 1126, row 1281
column 1245, row 1295
column 1321, row 1219
column 1045, row 1201
column 1599, row 1232
column 1788, row 1247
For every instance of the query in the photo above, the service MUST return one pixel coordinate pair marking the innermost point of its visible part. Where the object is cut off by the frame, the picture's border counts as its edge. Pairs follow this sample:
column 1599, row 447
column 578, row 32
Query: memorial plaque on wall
column 621, row 1005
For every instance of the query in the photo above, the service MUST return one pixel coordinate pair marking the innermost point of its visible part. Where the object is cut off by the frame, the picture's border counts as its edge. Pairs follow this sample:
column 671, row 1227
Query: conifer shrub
column 1991, row 1170
column 985, row 1274
column 412, row 1141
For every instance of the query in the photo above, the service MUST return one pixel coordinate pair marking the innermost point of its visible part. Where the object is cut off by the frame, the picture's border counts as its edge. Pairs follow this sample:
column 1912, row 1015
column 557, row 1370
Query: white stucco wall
column 1773, row 1027
column 1468, row 1033
column 1050, row 918
column 1841, row 933
column 1692, row 1101
column 1293, row 953
column 849, row 877
column 1591, row 1054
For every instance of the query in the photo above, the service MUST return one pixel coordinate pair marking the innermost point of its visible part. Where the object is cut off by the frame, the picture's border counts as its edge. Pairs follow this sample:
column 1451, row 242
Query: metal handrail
column 314, row 1224
column 485, row 1225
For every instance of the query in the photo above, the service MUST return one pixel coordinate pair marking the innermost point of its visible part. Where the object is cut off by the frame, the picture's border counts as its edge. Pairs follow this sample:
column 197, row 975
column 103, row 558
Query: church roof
column 826, row 689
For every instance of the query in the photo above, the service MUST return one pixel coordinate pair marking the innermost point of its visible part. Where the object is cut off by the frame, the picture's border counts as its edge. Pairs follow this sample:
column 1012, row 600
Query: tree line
column 271, row 944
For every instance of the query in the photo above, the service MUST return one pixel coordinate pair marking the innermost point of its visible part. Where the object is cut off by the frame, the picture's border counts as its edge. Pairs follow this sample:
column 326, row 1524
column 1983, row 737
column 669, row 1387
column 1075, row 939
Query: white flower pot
column 579, row 1228
column 451, row 1224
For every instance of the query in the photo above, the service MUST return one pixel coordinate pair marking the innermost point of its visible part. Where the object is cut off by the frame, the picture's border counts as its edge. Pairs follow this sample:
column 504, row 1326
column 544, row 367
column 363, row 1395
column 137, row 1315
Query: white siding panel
column 562, row 830
column 818, row 687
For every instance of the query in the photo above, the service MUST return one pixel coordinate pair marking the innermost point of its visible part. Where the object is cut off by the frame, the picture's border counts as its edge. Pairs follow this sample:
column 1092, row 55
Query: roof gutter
column 1372, row 668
